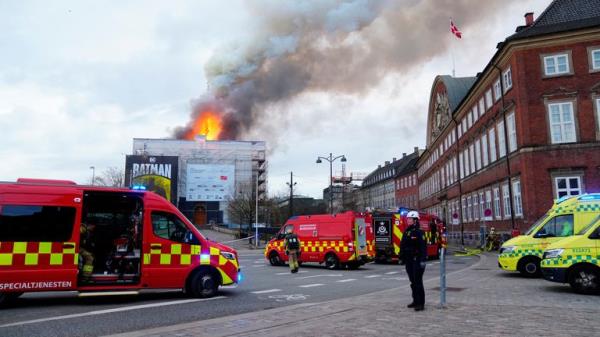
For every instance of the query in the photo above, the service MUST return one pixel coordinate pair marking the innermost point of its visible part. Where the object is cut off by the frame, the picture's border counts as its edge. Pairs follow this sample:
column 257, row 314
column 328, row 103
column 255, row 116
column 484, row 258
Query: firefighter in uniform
column 413, row 252
column 86, row 248
column 291, row 244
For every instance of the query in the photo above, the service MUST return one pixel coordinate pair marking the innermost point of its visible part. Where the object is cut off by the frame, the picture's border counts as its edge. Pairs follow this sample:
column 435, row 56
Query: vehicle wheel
column 530, row 267
column 275, row 259
column 6, row 298
column 204, row 284
column 585, row 280
column 331, row 261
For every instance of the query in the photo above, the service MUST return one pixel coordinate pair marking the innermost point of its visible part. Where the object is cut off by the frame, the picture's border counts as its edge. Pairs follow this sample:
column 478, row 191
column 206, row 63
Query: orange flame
column 207, row 124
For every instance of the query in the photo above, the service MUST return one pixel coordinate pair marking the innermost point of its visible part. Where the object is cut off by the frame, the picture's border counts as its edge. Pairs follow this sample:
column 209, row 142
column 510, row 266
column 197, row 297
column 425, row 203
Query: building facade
column 391, row 185
column 502, row 146
column 244, row 160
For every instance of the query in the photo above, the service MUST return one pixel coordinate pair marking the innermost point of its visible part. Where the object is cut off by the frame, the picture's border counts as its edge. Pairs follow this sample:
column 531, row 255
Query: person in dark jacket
column 413, row 252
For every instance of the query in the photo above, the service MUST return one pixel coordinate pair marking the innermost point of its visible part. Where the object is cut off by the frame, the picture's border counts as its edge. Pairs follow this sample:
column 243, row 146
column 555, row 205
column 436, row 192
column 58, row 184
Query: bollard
column 442, row 278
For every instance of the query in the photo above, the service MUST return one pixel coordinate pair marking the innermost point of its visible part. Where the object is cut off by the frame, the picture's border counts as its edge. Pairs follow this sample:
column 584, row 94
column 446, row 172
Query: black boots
column 416, row 307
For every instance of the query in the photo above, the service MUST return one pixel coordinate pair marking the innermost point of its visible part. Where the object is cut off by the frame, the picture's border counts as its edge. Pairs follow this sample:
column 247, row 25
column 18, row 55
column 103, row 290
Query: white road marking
column 346, row 280
column 110, row 311
column 266, row 291
column 392, row 273
column 320, row 275
column 293, row 297
column 258, row 265
column 312, row 285
column 258, row 261
column 372, row 276
column 395, row 278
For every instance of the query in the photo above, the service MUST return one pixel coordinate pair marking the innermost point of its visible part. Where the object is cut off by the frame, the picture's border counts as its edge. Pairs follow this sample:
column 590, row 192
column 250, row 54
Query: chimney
column 416, row 149
column 403, row 154
column 528, row 19
column 393, row 159
column 378, row 166
column 387, row 163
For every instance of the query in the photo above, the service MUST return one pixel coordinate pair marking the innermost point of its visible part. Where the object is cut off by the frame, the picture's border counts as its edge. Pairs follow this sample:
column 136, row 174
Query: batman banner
column 156, row 173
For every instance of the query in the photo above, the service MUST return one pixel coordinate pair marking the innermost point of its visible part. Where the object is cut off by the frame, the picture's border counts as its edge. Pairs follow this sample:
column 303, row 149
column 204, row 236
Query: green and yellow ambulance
column 576, row 260
column 567, row 216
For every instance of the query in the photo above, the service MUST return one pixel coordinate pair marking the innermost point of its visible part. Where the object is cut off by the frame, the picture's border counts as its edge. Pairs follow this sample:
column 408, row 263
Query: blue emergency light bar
column 138, row 187
column 589, row 197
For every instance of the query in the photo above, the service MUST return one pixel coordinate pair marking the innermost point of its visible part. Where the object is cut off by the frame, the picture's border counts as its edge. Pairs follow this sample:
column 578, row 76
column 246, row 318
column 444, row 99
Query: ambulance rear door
column 39, row 235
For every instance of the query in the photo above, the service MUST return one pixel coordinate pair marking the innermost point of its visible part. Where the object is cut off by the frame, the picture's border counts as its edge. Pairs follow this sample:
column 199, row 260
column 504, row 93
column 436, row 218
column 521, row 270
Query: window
column 470, row 119
column 517, row 200
column 497, row 90
column 512, row 132
column 464, row 125
column 469, row 209
column 464, row 209
column 475, row 114
column 556, row 64
column 478, row 154
column 595, row 59
column 30, row 223
column 566, row 186
column 598, row 113
column 489, row 101
column 501, row 140
column 488, row 200
column 484, row 150
column 168, row 226
column 507, row 79
column 462, row 165
column 497, row 203
column 481, row 205
column 475, row 207
column 562, row 123
column 506, row 200
column 492, row 135
column 472, row 157
column 482, row 105
column 559, row 226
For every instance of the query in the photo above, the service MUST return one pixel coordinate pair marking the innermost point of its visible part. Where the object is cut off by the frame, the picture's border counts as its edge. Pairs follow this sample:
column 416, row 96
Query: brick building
column 391, row 185
column 521, row 134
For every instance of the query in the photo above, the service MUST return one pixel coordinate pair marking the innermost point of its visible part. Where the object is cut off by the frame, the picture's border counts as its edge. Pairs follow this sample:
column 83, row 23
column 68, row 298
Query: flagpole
column 452, row 54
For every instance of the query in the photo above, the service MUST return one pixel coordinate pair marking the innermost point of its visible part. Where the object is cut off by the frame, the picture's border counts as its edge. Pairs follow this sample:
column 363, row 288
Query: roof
column 457, row 88
column 562, row 16
column 401, row 166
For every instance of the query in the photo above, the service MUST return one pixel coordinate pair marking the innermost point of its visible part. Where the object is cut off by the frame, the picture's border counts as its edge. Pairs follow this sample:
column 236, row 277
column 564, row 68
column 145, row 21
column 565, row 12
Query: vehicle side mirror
column 280, row 236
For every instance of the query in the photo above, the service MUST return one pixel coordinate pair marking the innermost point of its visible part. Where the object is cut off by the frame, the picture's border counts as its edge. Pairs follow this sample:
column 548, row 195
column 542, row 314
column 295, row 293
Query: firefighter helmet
column 413, row 214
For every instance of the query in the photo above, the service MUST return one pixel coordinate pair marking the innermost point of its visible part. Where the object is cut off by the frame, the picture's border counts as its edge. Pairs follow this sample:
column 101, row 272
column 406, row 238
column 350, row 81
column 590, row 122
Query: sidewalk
column 482, row 301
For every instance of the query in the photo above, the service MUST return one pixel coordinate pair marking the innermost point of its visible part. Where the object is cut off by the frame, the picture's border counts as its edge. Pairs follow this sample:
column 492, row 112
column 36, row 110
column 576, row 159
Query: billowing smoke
column 326, row 45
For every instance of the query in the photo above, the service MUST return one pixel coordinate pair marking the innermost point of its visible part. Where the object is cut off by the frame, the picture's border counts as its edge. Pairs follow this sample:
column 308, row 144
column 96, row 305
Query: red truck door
column 169, row 250
column 39, row 235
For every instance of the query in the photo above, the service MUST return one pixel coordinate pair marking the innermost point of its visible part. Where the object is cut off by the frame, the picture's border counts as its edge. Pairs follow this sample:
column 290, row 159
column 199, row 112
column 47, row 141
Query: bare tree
column 112, row 176
column 241, row 206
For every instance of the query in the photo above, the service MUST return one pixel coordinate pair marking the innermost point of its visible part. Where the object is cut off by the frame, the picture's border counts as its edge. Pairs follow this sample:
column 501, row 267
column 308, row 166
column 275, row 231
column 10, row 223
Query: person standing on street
column 291, row 244
column 413, row 252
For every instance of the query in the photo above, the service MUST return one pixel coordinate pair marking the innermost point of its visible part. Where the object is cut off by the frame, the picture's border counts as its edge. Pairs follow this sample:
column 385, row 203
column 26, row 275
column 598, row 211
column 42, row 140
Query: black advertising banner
column 156, row 173
column 382, row 229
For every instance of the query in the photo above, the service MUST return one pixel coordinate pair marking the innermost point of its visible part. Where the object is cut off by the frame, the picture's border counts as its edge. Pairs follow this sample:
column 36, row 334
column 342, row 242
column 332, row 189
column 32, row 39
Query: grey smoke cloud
column 327, row 45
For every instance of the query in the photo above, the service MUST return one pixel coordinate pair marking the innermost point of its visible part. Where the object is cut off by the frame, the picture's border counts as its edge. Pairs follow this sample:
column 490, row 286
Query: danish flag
column 454, row 30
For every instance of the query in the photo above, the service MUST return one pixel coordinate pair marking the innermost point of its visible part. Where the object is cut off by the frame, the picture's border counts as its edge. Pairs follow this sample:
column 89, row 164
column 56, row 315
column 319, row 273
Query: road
column 264, row 287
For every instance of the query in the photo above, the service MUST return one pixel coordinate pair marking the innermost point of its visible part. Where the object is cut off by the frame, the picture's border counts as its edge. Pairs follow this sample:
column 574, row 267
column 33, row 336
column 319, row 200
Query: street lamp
column 93, row 168
column 331, row 159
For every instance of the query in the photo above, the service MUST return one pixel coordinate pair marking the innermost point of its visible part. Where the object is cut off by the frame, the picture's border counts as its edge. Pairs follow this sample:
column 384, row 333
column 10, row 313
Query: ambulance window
column 168, row 226
column 36, row 223
column 589, row 225
column 559, row 226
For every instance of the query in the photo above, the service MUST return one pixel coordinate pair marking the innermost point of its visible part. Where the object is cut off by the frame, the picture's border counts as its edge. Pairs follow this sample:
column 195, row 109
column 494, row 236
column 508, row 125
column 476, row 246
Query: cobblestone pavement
column 483, row 300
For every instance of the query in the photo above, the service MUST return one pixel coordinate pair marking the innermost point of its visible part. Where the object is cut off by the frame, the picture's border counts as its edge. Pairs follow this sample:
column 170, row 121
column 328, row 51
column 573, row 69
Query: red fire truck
column 128, row 239
column 389, row 227
column 340, row 240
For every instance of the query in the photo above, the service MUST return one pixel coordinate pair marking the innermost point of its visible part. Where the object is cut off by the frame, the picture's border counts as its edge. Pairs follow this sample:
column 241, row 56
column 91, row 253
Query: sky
column 80, row 79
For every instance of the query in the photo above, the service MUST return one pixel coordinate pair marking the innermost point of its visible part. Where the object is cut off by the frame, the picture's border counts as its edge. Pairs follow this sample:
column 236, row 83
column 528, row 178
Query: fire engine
column 338, row 240
column 136, row 239
column 389, row 227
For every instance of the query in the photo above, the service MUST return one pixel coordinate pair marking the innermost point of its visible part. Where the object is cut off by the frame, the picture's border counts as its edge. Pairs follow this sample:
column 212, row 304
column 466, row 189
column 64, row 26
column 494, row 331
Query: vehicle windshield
column 536, row 224
column 588, row 226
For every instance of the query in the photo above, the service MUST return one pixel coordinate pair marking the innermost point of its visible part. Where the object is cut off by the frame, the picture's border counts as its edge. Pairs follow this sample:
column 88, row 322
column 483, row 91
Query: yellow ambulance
column 576, row 260
column 567, row 216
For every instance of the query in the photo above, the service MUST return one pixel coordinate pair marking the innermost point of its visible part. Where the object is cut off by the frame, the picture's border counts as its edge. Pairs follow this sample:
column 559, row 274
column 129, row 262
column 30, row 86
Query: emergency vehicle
column 339, row 240
column 567, row 216
column 576, row 259
column 389, row 228
column 138, row 240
